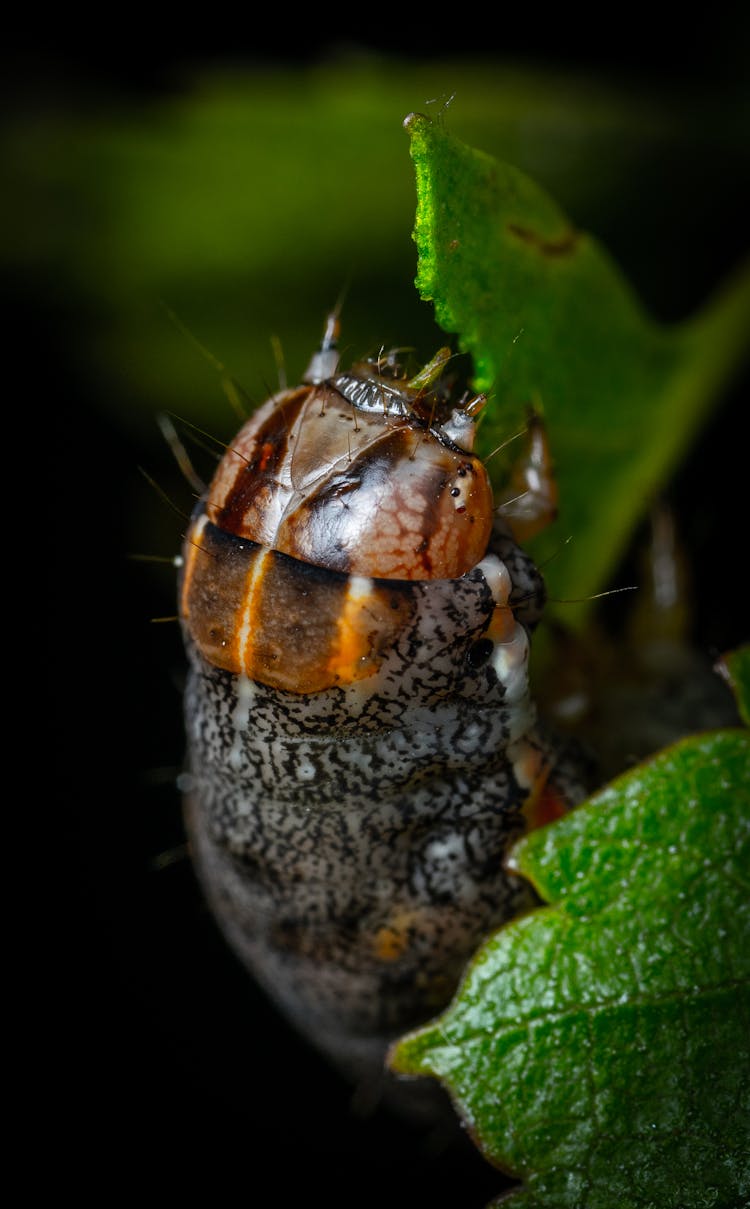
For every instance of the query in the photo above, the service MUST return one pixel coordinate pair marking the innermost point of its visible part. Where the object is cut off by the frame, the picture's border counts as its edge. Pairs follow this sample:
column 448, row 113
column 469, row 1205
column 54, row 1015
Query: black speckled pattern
column 351, row 841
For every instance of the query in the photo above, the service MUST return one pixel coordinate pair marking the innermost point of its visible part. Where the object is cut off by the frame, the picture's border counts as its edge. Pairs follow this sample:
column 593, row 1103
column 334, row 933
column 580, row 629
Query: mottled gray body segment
column 351, row 840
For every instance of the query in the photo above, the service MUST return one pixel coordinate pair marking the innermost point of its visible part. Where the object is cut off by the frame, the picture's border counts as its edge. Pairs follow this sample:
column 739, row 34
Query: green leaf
column 549, row 320
column 599, row 1048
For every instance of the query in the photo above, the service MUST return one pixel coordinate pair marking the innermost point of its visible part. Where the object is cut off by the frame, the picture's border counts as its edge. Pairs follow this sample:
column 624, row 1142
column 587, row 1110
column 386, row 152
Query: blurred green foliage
column 249, row 200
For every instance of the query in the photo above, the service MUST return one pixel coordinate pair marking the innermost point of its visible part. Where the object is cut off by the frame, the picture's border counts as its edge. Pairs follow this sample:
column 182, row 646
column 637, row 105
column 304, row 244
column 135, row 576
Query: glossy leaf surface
column 599, row 1048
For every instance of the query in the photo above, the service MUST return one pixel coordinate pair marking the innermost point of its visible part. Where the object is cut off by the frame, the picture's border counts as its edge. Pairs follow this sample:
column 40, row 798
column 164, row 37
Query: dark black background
column 153, row 1066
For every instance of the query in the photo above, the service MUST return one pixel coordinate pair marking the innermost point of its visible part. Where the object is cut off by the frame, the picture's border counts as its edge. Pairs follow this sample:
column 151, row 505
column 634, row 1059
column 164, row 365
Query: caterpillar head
column 364, row 472
column 349, row 519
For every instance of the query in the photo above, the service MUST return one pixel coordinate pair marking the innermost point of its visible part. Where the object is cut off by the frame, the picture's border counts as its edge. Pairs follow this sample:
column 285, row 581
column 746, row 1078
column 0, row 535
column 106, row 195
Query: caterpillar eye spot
column 479, row 652
column 338, row 732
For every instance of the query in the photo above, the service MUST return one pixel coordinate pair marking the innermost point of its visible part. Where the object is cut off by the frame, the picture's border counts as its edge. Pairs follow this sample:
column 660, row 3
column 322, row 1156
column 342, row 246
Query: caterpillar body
column 362, row 742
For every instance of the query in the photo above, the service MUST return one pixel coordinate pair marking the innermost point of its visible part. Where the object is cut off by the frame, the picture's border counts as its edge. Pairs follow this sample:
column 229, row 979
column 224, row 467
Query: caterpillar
column 363, row 746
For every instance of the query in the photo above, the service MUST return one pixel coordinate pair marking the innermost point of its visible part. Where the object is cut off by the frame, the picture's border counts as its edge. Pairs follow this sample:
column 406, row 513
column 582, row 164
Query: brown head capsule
column 344, row 474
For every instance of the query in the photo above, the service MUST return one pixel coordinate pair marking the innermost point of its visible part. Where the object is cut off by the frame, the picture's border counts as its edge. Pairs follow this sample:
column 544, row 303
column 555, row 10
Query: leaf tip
column 407, row 1055
column 398, row 1058
column 413, row 120
column 421, row 131
column 515, row 859
column 734, row 667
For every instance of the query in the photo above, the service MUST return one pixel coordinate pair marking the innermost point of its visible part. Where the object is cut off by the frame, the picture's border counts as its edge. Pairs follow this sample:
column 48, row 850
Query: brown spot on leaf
column 561, row 246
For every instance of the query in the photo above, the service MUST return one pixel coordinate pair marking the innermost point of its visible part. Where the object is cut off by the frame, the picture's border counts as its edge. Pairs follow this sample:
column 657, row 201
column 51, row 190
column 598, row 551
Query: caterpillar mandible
column 362, row 742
